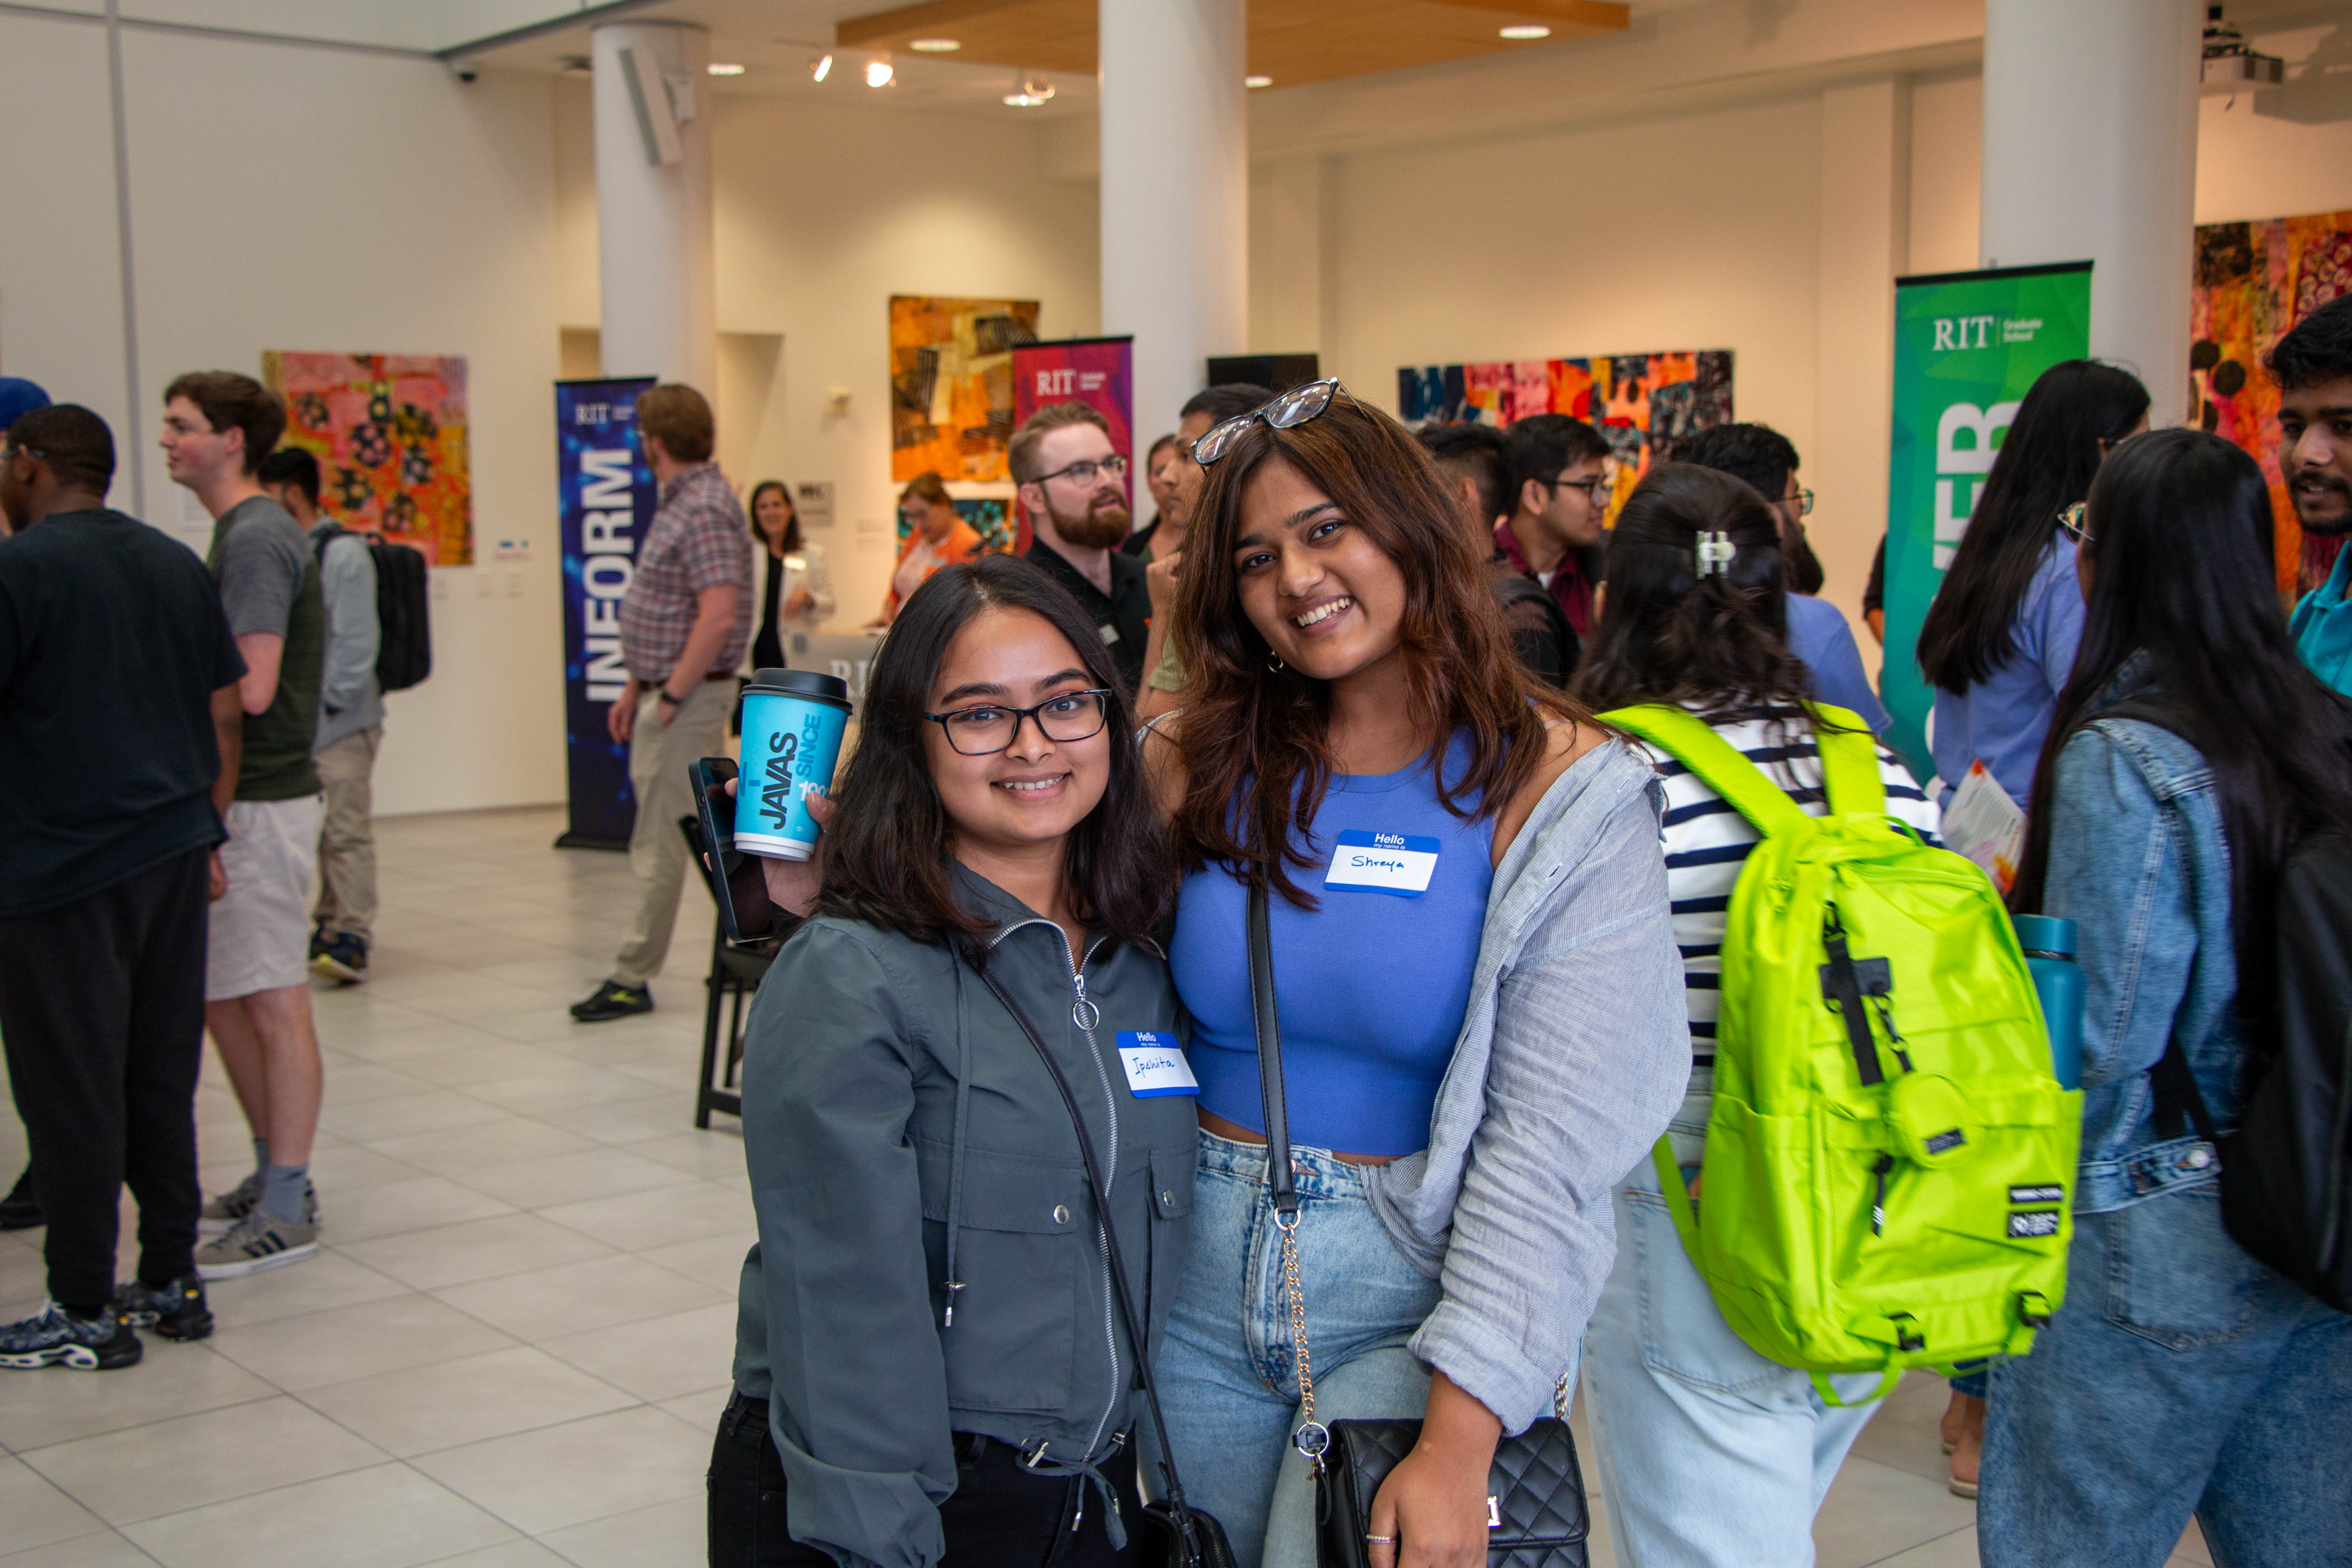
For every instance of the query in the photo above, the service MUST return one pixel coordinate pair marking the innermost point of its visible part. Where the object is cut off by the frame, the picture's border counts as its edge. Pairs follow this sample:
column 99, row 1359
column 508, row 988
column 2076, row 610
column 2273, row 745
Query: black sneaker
column 20, row 1210
column 613, row 1000
column 318, row 941
column 176, row 1311
column 55, row 1337
column 341, row 958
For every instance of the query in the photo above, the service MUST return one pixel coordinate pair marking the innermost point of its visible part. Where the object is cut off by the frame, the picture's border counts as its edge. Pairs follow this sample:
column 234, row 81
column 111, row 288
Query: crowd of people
column 1336, row 752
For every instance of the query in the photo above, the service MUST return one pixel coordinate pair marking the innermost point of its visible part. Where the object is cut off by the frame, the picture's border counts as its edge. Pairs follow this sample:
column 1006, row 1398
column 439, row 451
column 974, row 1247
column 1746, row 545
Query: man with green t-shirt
column 217, row 426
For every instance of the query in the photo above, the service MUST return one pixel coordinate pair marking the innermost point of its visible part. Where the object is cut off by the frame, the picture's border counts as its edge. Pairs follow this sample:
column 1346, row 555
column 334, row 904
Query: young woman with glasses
column 931, row 1362
column 1479, row 1040
column 2191, row 755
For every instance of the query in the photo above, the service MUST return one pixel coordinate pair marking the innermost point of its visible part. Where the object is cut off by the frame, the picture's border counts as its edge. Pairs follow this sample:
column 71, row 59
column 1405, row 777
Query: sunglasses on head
column 1287, row 412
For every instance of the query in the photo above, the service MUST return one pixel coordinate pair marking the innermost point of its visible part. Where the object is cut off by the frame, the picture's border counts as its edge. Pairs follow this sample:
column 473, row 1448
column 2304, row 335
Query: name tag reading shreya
column 1375, row 862
column 1155, row 1064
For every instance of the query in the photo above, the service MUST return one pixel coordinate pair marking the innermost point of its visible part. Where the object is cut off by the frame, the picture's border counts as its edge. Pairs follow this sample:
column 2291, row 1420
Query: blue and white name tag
column 1155, row 1064
column 1375, row 862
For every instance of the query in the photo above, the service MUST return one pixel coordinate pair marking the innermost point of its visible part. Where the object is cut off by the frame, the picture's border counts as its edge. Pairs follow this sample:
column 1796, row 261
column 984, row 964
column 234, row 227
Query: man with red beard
column 1074, row 483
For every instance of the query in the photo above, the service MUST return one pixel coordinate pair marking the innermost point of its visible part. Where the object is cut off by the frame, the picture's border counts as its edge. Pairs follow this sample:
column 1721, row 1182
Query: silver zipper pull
column 948, row 1322
column 1083, row 1013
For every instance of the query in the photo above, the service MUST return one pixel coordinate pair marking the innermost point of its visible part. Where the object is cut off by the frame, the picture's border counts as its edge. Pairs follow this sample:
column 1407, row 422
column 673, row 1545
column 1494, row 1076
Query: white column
column 653, row 219
column 1291, row 297
column 1866, row 236
column 2090, row 151
column 1175, row 191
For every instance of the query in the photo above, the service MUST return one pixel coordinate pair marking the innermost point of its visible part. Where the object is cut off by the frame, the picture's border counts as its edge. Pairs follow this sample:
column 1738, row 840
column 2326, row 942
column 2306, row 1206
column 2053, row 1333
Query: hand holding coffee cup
column 792, row 725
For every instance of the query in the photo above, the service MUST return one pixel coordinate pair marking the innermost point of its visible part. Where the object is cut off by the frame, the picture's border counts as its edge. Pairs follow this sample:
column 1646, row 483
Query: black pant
column 1003, row 1515
column 102, row 1012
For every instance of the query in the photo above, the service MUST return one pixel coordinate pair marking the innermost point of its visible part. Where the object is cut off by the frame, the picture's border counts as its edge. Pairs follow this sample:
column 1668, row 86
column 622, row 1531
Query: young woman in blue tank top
column 1475, row 970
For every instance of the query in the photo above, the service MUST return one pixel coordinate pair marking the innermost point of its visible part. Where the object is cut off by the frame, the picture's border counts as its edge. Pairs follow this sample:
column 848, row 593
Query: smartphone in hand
column 737, row 883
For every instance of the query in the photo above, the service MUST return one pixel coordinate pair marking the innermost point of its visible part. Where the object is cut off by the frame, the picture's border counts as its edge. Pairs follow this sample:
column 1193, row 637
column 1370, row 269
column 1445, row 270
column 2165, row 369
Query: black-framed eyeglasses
column 991, row 727
column 1287, row 412
column 1597, row 490
column 2071, row 520
column 1804, row 500
column 1086, row 470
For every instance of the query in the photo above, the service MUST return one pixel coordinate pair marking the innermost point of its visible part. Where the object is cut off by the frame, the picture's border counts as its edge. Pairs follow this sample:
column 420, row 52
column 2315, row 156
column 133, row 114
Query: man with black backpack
column 351, row 721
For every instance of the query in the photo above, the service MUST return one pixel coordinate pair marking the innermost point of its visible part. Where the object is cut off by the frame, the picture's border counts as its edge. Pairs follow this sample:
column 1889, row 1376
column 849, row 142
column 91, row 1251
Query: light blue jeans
column 1709, row 1454
column 1228, row 1382
column 2180, row 1376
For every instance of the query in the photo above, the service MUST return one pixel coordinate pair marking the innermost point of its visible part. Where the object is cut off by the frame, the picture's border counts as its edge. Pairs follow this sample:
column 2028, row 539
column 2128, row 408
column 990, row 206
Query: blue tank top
column 1372, row 985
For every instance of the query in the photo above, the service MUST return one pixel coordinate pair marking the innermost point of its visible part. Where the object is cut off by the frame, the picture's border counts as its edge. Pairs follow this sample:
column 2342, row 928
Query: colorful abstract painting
column 389, row 431
column 952, row 383
column 2254, row 281
column 1642, row 403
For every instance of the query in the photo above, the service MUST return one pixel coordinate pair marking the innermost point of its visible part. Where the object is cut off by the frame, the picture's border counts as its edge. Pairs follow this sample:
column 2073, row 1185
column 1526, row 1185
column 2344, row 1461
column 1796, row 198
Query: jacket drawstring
column 1113, row 1522
column 955, row 1150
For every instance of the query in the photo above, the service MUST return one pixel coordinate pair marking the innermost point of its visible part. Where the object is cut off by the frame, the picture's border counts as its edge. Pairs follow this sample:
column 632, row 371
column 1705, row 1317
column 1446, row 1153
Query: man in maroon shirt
column 1559, row 497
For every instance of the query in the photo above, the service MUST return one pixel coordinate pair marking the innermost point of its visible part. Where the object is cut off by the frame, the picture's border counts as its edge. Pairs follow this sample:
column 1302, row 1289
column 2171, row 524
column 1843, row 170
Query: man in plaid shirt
column 684, row 624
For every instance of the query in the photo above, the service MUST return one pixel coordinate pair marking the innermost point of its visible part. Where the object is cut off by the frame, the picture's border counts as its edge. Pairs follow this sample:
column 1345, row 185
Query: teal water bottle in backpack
column 1889, row 1158
column 2049, row 944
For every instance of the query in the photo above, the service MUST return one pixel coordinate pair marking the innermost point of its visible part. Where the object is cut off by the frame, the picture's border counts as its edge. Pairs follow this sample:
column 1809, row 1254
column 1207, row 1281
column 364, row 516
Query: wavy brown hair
column 1257, row 742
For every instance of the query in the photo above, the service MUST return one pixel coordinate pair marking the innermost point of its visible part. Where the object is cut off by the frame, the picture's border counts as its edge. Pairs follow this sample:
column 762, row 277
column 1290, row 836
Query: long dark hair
column 888, row 862
column 2073, row 414
column 1717, row 644
column 2180, row 541
column 792, row 539
column 1256, row 742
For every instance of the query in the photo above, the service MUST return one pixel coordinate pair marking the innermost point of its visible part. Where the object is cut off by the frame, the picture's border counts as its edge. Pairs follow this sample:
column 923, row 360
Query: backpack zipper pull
column 1879, row 1196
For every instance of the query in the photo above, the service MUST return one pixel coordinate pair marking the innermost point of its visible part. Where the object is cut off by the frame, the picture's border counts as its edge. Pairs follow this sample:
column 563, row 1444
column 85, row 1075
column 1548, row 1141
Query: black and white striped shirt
column 1706, row 843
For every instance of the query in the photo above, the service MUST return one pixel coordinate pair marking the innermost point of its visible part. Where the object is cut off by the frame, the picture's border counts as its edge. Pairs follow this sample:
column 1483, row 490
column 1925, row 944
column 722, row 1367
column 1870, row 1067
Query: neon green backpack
column 1889, row 1160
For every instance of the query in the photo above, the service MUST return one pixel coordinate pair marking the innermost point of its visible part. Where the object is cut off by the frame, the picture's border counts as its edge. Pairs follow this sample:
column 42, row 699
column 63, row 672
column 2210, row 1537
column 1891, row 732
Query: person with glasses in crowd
column 936, row 536
column 1817, row 632
column 1558, row 496
column 931, row 1362
column 2190, row 753
column 1073, row 484
column 1479, row 1042
column 1471, row 460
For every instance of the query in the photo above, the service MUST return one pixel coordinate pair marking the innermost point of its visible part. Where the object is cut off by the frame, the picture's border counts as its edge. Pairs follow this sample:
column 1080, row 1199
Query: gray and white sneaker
column 261, row 1240
column 220, row 1214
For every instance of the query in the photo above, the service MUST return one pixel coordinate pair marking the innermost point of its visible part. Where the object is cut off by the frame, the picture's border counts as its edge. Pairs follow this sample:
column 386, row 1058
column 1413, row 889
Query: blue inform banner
column 607, row 497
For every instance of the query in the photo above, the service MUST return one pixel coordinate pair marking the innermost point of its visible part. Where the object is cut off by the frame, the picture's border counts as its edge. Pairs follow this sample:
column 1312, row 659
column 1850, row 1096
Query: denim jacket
column 2138, row 862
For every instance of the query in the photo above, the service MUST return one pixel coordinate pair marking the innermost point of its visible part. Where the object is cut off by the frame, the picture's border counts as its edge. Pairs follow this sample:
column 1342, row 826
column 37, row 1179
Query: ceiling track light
column 821, row 67
column 878, row 73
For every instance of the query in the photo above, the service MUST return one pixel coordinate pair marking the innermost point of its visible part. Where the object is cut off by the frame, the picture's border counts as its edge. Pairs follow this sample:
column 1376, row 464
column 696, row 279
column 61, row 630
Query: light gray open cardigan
column 1574, row 1053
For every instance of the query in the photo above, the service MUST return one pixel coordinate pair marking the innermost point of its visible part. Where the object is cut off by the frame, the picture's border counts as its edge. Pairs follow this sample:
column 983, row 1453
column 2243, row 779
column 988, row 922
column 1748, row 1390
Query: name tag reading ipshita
column 1375, row 862
column 1155, row 1064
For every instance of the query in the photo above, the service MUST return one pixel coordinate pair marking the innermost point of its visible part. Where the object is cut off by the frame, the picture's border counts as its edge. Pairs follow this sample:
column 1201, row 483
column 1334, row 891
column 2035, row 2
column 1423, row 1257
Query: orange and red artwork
column 952, row 383
column 389, row 432
column 2254, row 281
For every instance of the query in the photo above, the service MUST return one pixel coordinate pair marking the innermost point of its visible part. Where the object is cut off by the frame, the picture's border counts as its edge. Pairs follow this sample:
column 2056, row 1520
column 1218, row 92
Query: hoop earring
column 1273, row 663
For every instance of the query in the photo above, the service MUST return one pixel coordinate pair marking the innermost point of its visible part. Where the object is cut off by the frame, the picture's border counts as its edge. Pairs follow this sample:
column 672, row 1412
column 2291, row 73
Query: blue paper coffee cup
column 793, row 721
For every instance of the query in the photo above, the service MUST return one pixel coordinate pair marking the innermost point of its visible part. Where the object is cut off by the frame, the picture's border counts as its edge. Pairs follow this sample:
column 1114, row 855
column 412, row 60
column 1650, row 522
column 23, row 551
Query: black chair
column 735, row 975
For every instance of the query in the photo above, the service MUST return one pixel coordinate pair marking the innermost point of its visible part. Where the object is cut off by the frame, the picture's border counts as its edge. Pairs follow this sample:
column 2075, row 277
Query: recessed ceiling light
column 878, row 73
column 1522, row 34
column 1023, row 99
column 821, row 67
column 1258, row 81
column 936, row 45
column 724, row 67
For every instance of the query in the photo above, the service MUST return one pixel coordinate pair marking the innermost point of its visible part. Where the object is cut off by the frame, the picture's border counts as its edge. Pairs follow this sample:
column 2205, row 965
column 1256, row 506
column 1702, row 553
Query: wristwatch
column 672, row 701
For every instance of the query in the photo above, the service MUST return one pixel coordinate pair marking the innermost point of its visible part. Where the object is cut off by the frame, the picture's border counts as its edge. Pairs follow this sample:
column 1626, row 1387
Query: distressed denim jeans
column 1710, row 1457
column 2181, row 1376
column 1228, row 1381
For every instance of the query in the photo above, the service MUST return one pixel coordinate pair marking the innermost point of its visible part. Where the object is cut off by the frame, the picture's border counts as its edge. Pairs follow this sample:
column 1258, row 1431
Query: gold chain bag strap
column 1535, row 1504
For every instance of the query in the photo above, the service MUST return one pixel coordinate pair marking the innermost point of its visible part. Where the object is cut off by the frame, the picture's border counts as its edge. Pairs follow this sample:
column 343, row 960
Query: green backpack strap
column 1690, row 741
column 1849, row 773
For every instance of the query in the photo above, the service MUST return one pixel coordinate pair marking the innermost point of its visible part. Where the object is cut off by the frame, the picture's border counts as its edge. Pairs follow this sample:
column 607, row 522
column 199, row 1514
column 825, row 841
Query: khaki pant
column 658, row 763
column 347, row 841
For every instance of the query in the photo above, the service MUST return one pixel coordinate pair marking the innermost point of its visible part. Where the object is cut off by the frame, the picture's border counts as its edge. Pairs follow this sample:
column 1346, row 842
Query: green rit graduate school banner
column 1967, row 347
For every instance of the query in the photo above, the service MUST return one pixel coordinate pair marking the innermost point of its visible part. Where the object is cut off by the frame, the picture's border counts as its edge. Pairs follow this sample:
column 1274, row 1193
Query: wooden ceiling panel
column 1293, row 41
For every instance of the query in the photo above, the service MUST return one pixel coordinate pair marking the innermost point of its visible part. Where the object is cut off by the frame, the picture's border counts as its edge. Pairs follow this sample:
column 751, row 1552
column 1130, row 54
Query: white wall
column 298, row 198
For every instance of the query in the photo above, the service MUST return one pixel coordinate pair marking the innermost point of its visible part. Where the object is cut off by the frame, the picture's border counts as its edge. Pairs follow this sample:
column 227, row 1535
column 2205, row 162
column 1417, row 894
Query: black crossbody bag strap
column 1269, row 1056
column 1140, row 1345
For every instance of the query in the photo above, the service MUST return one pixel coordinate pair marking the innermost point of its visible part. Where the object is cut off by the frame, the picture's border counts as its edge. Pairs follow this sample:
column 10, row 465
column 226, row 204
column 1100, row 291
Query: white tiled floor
column 514, row 1348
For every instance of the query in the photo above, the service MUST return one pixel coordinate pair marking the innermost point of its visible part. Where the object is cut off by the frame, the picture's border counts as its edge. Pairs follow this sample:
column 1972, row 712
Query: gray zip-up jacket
column 911, row 1163
column 1574, row 1054
column 348, row 699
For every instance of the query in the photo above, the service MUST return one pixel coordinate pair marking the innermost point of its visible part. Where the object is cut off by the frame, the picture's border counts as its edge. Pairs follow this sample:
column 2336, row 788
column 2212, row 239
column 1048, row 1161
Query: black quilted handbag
column 1535, row 1508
